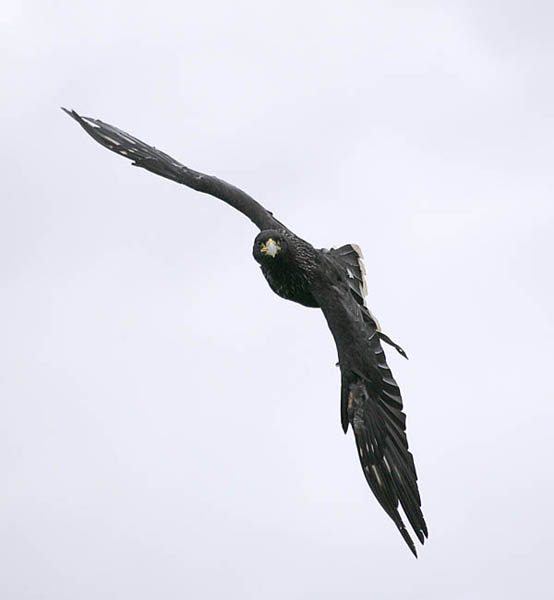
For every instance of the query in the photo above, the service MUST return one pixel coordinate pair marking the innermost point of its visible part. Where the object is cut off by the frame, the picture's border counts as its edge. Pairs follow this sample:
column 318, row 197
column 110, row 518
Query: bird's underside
column 334, row 281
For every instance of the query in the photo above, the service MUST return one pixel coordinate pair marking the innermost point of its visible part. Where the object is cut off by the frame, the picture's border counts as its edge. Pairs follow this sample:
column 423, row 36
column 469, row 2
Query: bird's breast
column 290, row 283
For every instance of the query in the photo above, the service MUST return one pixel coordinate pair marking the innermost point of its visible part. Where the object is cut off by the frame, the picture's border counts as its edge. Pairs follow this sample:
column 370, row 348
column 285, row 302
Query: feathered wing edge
column 371, row 402
column 160, row 163
column 351, row 258
column 374, row 409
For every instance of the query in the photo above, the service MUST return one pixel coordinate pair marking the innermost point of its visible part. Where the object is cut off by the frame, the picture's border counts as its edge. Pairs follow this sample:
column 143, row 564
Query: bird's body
column 291, row 284
column 332, row 280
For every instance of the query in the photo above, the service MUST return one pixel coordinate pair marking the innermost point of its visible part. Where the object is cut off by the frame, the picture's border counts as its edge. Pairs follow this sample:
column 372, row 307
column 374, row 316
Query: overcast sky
column 169, row 428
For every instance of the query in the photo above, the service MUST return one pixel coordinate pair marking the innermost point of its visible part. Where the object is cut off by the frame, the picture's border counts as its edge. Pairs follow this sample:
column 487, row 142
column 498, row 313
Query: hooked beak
column 271, row 247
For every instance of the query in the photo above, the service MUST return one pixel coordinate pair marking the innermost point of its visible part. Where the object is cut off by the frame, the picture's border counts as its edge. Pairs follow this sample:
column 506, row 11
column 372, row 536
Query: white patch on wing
column 374, row 468
column 114, row 142
column 358, row 251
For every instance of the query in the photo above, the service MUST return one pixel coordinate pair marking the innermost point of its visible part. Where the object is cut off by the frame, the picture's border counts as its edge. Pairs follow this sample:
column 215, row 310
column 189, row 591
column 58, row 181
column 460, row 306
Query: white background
column 169, row 428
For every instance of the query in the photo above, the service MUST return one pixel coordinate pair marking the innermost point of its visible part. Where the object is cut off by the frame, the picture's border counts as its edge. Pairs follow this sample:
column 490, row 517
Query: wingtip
column 70, row 112
column 421, row 534
column 409, row 542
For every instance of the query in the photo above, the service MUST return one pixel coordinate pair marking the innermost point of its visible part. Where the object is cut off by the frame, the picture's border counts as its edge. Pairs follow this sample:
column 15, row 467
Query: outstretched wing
column 158, row 162
column 372, row 404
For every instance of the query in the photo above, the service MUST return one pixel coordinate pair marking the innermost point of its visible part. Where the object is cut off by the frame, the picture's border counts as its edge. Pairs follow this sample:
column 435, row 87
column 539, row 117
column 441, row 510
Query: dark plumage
column 332, row 280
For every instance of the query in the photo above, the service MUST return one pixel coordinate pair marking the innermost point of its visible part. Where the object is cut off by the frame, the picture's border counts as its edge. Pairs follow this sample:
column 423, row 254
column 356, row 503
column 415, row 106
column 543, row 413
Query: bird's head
column 269, row 245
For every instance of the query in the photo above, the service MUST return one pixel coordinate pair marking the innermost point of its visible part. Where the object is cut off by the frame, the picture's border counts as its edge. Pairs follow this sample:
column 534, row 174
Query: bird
column 333, row 280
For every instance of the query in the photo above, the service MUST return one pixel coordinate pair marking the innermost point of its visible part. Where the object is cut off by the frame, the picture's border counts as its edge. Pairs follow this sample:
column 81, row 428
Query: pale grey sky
column 169, row 428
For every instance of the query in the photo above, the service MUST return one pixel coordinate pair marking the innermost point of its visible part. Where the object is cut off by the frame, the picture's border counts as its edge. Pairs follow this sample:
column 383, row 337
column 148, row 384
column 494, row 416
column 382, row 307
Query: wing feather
column 160, row 163
column 372, row 404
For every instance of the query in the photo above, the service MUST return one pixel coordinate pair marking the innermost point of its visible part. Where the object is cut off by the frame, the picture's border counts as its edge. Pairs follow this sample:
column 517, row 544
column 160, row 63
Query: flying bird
column 334, row 281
